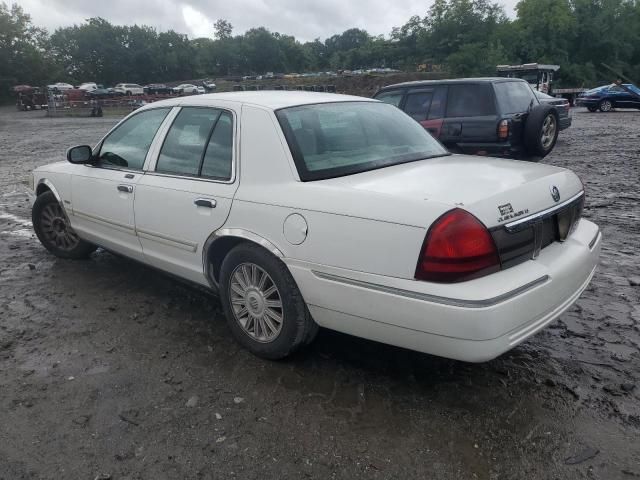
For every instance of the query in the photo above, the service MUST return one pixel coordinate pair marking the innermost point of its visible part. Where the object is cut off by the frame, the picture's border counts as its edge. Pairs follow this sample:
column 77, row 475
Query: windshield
column 334, row 139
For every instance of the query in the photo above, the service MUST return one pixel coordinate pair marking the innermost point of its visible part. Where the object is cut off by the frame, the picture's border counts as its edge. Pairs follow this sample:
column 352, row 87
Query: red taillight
column 503, row 130
column 458, row 247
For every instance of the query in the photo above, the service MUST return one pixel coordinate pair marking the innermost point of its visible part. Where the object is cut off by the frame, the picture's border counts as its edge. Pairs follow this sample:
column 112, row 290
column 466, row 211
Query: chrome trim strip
column 105, row 221
column 456, row 302
column 167, row 240
column 543, row 213
column 595, row 239
column 232, row 232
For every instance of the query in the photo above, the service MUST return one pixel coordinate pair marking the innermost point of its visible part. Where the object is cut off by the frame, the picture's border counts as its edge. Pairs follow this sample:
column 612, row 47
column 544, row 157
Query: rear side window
column 470, row 100
column 199, row 143
column 392, row 98
column 418, row 104
column 514, row 97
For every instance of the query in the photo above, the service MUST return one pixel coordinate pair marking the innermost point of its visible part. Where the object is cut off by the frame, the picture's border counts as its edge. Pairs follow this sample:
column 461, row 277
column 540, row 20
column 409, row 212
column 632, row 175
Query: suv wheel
column 541, row 130
column 263, row 306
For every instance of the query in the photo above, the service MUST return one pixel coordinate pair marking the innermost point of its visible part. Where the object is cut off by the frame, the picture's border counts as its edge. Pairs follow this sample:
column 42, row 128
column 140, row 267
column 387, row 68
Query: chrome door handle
column 125, row 188
column 205, row 202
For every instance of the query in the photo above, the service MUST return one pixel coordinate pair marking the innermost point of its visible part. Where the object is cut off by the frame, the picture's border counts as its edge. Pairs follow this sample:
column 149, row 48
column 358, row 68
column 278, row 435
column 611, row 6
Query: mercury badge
column 555, row 193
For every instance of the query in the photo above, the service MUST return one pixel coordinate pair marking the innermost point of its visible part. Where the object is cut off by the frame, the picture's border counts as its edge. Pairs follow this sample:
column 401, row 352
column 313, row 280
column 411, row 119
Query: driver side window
column 127, row 145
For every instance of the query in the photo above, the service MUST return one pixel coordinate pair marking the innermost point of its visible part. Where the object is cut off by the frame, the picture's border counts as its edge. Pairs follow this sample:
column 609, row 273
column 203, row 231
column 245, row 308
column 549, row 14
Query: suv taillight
column 503, row 130
column 457, row 247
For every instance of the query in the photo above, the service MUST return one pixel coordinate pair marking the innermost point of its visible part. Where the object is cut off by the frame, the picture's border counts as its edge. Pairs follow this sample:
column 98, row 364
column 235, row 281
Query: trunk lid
column 496, row 191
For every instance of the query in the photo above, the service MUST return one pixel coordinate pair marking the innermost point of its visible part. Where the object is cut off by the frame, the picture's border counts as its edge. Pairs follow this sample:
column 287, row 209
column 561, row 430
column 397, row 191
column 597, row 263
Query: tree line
column 461, row 37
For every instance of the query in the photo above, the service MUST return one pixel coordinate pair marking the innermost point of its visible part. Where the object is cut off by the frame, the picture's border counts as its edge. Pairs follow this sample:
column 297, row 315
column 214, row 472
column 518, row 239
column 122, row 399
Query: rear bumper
column 472, row 321
column 499, row 149
column 586, row 102
column 565, row 122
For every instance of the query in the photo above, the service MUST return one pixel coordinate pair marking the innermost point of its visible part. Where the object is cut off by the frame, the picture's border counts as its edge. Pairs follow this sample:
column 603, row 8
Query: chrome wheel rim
column 605, row 106
column 256, row 302
column 56, row 229
column 548, row 131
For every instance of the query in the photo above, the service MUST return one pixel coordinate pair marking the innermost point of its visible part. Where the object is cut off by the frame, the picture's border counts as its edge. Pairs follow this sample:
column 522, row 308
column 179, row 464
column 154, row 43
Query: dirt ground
column 110, row 370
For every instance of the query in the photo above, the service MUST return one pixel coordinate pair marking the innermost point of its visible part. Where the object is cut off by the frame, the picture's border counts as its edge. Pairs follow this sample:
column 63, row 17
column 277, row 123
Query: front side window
column 514, row 97
column 470, row 100
column 335, row 139
column 199, row 143
column 128, row 144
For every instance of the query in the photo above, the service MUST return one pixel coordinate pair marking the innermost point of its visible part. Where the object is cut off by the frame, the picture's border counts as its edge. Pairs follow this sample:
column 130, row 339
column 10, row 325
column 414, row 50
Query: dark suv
column 481, row 116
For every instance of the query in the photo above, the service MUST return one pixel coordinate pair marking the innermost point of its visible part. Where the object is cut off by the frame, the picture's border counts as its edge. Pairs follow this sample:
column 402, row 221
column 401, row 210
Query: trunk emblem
column 555, row 193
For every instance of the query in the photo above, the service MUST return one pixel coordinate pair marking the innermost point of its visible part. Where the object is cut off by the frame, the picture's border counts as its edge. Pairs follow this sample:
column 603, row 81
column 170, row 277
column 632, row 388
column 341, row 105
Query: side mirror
column 80, row 154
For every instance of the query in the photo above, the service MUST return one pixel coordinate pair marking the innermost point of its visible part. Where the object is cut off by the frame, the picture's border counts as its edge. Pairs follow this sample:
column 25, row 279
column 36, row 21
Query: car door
column 187, row 194
column 103, row 192
column 471, row 114
column 427, row 107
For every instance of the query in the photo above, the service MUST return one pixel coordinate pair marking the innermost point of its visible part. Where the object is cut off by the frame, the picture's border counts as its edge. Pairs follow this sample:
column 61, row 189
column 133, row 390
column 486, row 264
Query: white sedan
column 307, row 209
column 185, row 88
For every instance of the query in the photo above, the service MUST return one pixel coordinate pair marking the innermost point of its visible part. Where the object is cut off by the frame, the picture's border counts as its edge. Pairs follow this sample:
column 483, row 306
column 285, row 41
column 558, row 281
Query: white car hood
column 478, row 184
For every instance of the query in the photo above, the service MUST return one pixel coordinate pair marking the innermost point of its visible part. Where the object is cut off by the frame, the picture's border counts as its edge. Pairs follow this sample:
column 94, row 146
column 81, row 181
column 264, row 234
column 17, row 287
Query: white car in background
column 308, row 209
column 60, row 86
column 129, row 89
column 88, row 87
column 187, row 88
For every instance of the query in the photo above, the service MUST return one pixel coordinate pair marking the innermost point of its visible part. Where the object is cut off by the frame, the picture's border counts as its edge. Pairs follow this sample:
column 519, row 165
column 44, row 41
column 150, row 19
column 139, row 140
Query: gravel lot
column 111, row 370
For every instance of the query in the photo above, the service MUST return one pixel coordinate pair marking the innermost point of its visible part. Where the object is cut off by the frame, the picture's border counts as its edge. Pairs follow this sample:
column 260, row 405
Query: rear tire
column 54, row 231
column 264, row 308
column 541, row 131
column 605, row 106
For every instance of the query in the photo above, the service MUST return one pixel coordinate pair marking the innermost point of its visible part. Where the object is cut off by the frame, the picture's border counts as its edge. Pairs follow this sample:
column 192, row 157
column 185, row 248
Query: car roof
column 451, row 81
column 270, row 99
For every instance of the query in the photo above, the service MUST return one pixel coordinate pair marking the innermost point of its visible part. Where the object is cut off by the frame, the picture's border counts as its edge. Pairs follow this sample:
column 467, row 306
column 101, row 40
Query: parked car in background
column 60, row 87
column 185, row 88
column 157, row 89
column 209, row 85
column 480, row 116
column 562, row 106
column 608, row 97
column 103, row 93
column 359, row 221
column 88, row 87
column 201, row 89
column 129, row 89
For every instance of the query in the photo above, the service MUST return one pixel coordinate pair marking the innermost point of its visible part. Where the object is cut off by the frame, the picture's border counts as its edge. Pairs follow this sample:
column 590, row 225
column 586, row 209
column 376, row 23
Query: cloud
column 304, row 19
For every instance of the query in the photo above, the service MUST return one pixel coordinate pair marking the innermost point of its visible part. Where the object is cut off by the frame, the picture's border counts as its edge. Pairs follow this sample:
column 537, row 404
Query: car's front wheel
column 263, row 306
column 54, row 231
column 605, row 106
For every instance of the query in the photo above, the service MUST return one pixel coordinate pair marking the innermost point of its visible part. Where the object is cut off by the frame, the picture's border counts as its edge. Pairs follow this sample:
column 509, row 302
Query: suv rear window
column 514, row 97
column 470, row 100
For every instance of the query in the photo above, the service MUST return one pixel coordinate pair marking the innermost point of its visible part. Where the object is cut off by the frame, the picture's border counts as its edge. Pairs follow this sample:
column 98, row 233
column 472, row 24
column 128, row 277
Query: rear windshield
column 334, row 139
column 514, row 97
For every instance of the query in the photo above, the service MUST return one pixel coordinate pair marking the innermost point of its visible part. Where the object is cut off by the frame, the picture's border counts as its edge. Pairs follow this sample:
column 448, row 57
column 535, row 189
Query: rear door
column 187, row 192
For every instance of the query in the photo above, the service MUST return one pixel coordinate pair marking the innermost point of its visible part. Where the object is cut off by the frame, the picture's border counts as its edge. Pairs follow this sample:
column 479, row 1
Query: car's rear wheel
column 263, row 306
column 541, row 130
column 605, row 106
column 54, row 231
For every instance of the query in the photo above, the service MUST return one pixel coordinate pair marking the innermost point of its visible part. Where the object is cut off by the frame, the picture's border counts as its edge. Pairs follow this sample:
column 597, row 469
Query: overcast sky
column 305, row 19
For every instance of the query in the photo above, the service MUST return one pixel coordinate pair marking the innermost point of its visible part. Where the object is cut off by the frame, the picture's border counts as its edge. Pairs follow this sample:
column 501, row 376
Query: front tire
column 54, row 231
column 264, row 308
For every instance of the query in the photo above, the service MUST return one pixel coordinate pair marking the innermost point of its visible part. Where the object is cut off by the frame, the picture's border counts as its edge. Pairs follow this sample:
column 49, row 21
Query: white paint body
column 351, row 243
